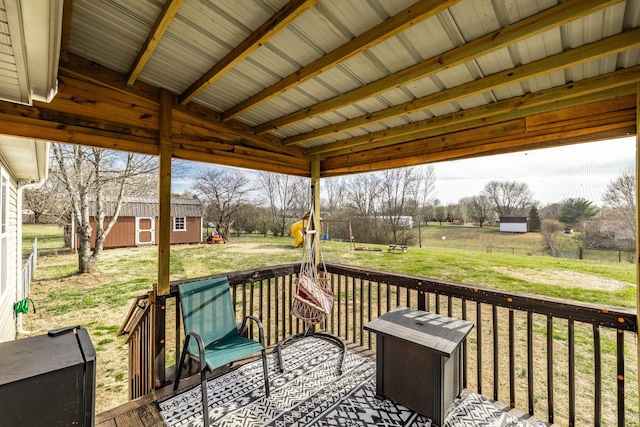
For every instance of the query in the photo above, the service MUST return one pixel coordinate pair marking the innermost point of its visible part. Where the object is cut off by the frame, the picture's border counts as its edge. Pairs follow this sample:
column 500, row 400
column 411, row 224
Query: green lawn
column 50, row 237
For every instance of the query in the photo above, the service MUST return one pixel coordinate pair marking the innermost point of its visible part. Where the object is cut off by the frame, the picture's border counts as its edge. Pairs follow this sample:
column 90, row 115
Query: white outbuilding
column 513, row 224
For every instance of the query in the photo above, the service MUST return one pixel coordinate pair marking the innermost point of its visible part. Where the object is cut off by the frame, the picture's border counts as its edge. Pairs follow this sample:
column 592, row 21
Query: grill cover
column 48, row 380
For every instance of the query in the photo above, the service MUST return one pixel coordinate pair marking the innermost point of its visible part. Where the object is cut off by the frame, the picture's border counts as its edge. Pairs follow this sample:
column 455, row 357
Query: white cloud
column 553, row 174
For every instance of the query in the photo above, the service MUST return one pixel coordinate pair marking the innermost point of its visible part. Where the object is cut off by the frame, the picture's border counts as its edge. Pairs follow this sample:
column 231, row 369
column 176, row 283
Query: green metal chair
column 209, row 318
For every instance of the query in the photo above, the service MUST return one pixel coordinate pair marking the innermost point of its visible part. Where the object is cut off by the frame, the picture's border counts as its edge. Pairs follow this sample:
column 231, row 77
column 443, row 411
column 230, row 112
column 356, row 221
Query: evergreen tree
column 573, row 211
column 534, row 219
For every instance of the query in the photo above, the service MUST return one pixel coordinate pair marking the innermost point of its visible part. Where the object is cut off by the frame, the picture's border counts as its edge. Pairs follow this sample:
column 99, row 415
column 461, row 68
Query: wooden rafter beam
column 237, row 158
column 589, row 52
column 489, row 149
column 167, row 14
column 104, row 79
column 412, row 15
column 95, row 115
column 262, row 35
column 67, row 7
column 588, row 122
column 621, row 82
column 534, row 25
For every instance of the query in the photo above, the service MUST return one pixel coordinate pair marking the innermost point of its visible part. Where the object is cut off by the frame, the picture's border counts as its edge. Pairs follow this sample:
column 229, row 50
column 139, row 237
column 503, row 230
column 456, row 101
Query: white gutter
column 20, row 288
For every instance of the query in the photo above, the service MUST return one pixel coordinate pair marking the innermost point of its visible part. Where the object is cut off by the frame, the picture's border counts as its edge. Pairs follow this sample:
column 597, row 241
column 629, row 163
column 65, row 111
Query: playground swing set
column 298, row 233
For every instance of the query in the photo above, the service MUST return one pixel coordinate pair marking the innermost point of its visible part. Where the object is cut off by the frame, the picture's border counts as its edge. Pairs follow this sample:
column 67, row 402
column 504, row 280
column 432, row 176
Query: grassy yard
column 50, row 237
column 100, row 301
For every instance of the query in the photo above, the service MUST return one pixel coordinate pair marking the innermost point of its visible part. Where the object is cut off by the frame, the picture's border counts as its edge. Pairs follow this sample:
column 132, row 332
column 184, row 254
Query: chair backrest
column 207, row 310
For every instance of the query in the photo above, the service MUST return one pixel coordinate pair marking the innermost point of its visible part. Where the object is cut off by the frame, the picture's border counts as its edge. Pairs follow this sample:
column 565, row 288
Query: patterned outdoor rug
column 311, row 393
column 308, row 393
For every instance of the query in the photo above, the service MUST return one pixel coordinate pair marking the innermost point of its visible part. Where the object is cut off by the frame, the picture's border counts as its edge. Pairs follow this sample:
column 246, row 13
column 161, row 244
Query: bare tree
column 399, row 188
column 426, row 186
column 95, row 181
column 507, row 197
column 363, row 193
column 455, row 212
column 224, row 191
column 335, row 190
column 288, row 198
column 620, row 198
column 479, row 209
column 48, row 200
column 440, row 213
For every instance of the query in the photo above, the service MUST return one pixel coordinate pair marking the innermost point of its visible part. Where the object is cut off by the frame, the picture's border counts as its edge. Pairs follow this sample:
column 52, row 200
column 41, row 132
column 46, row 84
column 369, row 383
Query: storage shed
column 136, row 224
column 513, row 224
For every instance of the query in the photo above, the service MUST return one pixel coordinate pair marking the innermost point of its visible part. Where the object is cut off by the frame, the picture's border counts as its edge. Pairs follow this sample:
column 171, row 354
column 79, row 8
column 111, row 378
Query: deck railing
column 559, row 360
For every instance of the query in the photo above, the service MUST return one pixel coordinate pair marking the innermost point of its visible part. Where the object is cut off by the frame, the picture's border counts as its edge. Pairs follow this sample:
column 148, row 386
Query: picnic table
column 399, row 248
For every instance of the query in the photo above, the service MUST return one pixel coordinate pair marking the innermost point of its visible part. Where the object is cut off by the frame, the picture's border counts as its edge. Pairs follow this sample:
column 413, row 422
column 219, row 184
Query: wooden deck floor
column 143, row 412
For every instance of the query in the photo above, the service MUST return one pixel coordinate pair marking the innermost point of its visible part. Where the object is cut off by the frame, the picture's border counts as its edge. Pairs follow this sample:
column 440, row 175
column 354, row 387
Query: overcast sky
column 552, row 174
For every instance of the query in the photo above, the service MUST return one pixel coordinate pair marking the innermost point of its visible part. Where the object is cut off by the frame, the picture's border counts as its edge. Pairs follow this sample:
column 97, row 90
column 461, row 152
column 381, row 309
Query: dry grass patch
column 566, row 278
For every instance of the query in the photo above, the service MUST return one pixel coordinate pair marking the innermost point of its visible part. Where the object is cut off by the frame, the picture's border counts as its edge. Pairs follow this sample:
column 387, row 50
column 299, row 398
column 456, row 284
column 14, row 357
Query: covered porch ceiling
column 361, row 85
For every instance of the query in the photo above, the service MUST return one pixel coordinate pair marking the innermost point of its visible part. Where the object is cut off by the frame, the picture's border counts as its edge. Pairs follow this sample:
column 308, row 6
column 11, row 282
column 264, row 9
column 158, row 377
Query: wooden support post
column 315, row 184
column 164, row 240
column 164, row 234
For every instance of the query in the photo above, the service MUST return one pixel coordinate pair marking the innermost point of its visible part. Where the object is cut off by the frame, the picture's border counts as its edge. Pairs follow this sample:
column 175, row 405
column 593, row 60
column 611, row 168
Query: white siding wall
column 8, row 298
column 513, row 227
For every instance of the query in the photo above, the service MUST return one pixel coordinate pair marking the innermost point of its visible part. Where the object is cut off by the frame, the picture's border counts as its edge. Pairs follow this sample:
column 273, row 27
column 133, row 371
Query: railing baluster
column 260, row 304
column 512, row 368
column 388, row 297
column 530, row 359
column 478, row 342
column 368, row 314
column 397, row 296
column 268, row 331
column 437, row 303
column 339, row 306
column 333, row 310
column 449, row 307
column 354, row 288
column 346, row 308
column 572, row 373
column 360, row 329
column 597, row 369
column 284, row 306
column 251, row 308
column 496, row 364
column 408, row 294
column 244, row 300
column 276, row 307
column 178, row 328
column 379, row 303
column 620, row 368
column 550, row 367
column 465, row 355
column 422, row 300
column 291, row 291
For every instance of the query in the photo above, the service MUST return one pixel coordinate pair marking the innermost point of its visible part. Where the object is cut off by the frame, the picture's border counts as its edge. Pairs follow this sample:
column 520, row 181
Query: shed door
column 145, row 231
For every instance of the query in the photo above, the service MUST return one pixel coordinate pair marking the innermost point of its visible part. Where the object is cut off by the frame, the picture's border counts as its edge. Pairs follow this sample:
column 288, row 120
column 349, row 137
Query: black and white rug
column 311, row 393
column 308, row 393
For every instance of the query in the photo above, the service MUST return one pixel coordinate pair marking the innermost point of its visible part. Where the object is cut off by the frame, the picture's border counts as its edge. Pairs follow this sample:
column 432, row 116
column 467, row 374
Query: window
column 4, row 235
column 179, row 223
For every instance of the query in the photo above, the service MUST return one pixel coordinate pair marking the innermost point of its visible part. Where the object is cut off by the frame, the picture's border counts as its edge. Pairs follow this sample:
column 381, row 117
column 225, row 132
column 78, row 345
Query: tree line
column 371, row 207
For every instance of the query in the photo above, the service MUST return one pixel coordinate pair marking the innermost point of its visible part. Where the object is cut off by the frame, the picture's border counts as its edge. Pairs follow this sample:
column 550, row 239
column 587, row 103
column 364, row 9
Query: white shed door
column 145, row 231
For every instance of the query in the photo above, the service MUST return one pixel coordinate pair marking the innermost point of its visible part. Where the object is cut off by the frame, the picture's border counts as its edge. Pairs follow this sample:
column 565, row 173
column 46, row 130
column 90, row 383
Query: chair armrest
column 200, row 346
column 260, row 328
